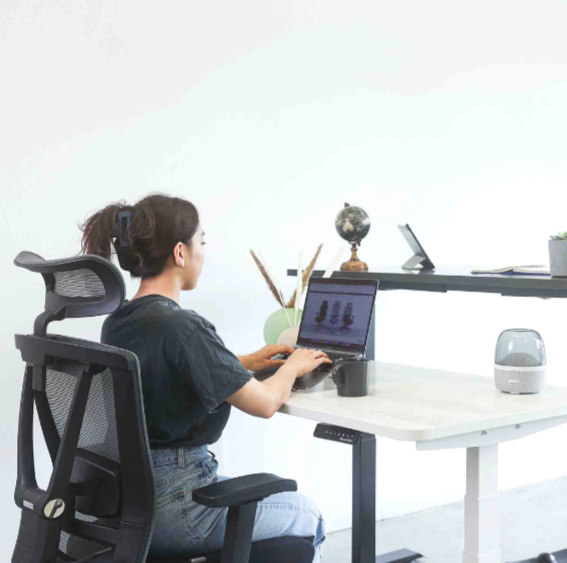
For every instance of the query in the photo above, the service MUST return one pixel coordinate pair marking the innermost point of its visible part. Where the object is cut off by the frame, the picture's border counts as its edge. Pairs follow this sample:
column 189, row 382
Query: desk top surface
column 415, row 404
column 457, row 278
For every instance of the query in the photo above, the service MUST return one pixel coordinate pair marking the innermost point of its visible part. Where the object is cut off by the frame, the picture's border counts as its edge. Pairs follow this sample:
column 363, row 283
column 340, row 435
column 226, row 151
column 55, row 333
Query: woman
column 189, row 378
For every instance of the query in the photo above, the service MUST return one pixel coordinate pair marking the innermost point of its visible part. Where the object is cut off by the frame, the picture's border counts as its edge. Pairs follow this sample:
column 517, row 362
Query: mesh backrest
column 98, row 435
column 78, row 283
column 98, row 431
column 79, row 287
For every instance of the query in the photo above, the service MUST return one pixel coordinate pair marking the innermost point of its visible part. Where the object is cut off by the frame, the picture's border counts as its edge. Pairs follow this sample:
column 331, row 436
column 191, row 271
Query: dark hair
column 158, row 223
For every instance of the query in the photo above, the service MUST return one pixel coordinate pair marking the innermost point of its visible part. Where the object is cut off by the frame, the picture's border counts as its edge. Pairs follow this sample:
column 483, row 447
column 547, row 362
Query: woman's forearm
column 280, row 384
column 265, row 398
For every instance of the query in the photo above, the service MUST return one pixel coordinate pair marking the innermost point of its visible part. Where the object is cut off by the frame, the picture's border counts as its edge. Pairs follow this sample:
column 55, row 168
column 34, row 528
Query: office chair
column 99, row 504
column 348, row 318
column 335, row 314
column 322, row 315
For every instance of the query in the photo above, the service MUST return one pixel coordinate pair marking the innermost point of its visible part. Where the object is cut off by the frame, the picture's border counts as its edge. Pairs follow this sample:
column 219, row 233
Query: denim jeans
column 185, row 528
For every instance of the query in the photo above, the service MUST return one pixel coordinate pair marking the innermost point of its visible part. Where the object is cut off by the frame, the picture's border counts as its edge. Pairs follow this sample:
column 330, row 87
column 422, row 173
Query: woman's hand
column 265, row 398
column 304, row 360
column 260, row 360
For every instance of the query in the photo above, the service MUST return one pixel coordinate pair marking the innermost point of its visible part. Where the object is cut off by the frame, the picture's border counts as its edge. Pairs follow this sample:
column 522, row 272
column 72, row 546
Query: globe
column 352, row 223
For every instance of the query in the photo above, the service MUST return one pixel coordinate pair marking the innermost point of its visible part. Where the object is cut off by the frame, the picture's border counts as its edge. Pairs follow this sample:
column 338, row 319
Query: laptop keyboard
column 337, row 356
column 333, row 356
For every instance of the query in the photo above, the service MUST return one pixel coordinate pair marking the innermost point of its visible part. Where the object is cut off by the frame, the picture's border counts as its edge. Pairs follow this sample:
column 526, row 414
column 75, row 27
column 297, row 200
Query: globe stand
column 354, row 264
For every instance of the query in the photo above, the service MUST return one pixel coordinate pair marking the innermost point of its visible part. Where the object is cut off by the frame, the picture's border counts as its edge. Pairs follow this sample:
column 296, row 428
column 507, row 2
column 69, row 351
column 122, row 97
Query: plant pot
column 277, row 322
column 558, row 257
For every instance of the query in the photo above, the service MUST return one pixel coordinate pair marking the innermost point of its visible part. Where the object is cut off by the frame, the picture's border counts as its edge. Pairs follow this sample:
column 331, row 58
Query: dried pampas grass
column 306, row 276
column 270, row 280
column 267, row 278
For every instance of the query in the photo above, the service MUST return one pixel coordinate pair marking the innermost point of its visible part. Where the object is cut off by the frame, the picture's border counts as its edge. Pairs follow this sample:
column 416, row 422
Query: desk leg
column 363, row 495
column 364, row 507
column 364, row 499
column 482, row 519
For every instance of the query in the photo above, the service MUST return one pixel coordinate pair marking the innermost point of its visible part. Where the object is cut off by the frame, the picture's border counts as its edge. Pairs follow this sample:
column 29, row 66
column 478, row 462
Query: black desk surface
column 457, row 278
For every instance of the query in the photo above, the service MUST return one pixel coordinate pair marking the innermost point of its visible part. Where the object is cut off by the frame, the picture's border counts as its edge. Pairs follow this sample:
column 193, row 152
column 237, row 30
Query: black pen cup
column 351, row 378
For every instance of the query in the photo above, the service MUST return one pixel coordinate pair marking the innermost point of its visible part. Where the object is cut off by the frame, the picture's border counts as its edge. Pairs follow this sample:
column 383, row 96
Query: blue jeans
column 185, row 528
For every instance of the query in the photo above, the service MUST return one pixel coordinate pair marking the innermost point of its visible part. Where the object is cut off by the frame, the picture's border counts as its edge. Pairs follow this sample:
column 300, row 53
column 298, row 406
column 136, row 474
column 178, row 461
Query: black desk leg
column 364, row 500
column 364, row 484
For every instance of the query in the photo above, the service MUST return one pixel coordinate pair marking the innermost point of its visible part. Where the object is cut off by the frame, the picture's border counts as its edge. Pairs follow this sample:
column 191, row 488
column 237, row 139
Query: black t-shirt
column 187, row 372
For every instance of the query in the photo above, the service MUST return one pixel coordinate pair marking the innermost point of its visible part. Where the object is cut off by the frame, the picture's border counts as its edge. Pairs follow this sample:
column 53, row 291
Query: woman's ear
column 181, row 259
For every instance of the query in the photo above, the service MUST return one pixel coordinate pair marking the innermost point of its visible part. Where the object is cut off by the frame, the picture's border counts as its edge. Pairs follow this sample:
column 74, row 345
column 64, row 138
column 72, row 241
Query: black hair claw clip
column 118, row 231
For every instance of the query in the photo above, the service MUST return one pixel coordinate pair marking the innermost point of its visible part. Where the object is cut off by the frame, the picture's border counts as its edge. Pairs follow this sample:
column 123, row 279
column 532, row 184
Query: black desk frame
column 364, row 450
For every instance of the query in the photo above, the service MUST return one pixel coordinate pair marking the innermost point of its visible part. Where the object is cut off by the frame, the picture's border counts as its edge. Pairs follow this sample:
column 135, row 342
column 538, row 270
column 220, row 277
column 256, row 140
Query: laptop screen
column 337, row 314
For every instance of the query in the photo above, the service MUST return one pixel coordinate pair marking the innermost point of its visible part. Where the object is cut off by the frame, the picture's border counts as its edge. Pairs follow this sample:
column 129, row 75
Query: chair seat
column 275, row 550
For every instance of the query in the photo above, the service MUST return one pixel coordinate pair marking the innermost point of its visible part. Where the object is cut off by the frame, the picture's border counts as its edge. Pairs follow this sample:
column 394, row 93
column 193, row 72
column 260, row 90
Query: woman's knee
column 290, row 513
column 298, row 500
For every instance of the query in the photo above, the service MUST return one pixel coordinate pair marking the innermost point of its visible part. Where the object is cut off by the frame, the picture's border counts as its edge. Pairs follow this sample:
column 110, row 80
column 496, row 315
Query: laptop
column 336, row 319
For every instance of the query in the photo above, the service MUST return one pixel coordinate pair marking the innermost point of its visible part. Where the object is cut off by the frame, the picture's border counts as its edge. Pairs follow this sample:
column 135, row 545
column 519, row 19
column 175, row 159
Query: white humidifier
column 520, row 362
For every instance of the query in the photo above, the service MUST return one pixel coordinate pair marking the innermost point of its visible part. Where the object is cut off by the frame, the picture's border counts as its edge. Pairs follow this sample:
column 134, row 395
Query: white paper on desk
column 536, row 270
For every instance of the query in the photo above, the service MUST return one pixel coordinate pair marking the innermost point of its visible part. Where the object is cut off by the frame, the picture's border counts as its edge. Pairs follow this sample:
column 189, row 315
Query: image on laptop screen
column 337, row 313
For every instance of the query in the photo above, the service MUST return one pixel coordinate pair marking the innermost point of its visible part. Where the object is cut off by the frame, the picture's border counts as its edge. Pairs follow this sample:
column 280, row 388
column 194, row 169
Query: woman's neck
column 162, row 285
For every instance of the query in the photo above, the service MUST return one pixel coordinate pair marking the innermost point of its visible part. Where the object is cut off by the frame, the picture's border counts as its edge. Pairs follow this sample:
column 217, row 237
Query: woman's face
column 193, row 265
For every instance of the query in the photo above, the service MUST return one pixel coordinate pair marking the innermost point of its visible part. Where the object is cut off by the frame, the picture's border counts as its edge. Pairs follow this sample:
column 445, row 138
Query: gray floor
column 532, row 519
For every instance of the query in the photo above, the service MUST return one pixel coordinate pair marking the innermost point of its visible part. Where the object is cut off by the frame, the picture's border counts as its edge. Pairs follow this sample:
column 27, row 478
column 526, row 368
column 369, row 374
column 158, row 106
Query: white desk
column 440, row 410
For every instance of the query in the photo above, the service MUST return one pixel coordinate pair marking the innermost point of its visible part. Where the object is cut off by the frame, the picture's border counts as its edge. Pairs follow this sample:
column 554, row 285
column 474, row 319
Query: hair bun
column 148, row 231
column 126, row 259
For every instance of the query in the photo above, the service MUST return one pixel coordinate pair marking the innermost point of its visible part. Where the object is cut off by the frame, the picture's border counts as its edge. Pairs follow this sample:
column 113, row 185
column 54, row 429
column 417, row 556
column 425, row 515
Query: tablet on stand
column 420, row 256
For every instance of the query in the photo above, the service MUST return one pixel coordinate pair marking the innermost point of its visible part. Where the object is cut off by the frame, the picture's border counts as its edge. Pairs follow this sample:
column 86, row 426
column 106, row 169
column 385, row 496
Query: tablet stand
column 415, row 260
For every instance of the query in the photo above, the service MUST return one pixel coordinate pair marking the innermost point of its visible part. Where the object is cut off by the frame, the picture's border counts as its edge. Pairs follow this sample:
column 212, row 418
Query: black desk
column 440, row 280
column 458, row 278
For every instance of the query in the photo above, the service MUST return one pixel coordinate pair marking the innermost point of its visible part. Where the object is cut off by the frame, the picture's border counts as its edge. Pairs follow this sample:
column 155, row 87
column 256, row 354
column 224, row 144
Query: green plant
column 559, row 236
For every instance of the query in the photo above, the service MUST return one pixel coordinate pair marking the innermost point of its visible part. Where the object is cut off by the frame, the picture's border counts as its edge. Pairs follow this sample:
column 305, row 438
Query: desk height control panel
column 337, row 434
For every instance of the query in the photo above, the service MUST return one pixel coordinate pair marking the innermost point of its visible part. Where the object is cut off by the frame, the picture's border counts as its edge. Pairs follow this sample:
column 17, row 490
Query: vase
column 558, row 257
column 277, row 322
column 289, row 336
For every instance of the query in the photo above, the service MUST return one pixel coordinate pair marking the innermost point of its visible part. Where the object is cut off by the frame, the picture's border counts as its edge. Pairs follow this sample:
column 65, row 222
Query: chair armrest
column 249, row 488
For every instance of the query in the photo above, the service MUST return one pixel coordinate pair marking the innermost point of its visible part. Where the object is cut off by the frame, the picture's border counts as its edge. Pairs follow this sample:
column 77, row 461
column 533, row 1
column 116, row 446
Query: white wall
column 269, row 116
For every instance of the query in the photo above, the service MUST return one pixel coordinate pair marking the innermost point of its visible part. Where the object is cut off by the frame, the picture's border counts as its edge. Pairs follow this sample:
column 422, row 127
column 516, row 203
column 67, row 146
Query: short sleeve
column 215, row 371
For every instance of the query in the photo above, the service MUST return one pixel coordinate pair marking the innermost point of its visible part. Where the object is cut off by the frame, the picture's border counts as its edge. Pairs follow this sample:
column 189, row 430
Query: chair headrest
column 79, row 286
